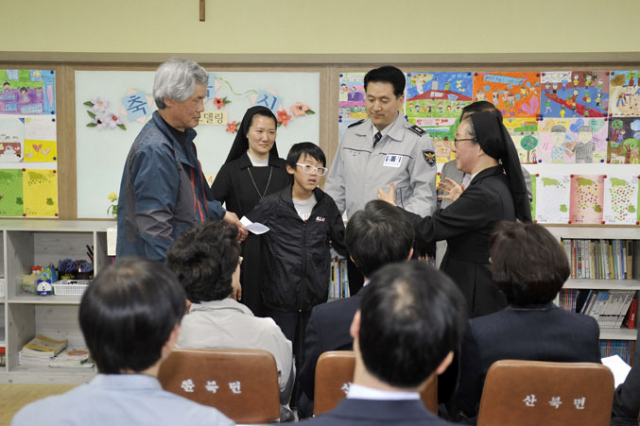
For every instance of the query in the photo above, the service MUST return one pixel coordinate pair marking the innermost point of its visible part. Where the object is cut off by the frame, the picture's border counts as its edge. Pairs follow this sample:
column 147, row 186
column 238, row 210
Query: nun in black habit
column 252, row 171
column 497, row 192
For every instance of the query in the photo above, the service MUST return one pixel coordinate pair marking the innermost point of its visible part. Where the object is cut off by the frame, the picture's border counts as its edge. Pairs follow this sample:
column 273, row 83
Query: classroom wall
column 321, row 27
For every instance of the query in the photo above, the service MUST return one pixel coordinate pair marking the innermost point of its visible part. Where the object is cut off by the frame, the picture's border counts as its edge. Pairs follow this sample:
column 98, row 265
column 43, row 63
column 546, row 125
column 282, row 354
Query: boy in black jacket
column 304, row 222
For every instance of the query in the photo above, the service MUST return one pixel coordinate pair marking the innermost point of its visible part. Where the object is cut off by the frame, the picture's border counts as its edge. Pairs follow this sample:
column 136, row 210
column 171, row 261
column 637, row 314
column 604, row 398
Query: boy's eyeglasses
column 308, row 169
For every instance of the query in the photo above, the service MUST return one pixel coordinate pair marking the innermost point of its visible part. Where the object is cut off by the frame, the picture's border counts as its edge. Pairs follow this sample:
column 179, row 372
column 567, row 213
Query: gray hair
column 176, row 79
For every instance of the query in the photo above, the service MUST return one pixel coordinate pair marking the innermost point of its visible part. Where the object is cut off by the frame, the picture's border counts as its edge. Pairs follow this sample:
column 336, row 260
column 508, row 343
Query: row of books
column 45, row 351
column 339, row 284
column 611, row 308
column 623, row 348
column 600, row 259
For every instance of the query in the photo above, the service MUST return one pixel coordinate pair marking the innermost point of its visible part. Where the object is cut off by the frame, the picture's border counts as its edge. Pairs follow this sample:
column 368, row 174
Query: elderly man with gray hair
column 163, row 190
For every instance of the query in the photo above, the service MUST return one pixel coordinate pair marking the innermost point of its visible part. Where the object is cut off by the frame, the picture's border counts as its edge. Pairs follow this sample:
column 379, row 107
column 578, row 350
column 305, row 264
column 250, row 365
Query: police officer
column 384, row 148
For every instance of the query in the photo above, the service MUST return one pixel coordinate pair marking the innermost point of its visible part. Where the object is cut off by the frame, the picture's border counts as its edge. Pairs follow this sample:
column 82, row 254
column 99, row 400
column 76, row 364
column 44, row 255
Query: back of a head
column 378, row 235
column 176, row 79
column 412, row 316
column 528, row 264
column 480, row 106
column 387, row 74
column 128, row 313
column 204, row 259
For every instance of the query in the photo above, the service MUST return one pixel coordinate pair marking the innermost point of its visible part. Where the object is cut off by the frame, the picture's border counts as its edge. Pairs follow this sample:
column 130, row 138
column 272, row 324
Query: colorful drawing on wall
column 587, row 197
column 624, row 94
column 28, row 138
column 572, row 140
column 624, row 141
column 351, row 106
column 11, row 140
column 515, row 94
column 620, row 200
column 524, row 133
column 40, row 193
column 27, row 92
column 552, row 198
column 438, row 94
column 442, row 132
column 568, row 94
column 11, row 192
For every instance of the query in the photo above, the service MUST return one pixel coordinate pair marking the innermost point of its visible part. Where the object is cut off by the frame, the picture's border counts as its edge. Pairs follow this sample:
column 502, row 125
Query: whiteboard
column 101, row 151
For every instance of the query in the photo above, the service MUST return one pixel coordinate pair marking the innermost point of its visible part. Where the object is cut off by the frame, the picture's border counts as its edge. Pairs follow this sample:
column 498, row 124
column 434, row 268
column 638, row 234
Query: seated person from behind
column 529, row 266
column 411, row 317
column 378, row 235
column 626, row 400
column 206, row 261
column 130, row 318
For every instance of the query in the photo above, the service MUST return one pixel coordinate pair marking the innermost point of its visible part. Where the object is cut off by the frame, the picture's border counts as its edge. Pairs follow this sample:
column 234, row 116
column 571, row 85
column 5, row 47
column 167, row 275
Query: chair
column 241, row 383
column 334, row 373
column 532, row 393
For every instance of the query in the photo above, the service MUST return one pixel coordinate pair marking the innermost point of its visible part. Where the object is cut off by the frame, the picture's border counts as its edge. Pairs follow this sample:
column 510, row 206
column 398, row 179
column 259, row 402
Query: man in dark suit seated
column 626, row 402
column 411, row 317
column 375, row 236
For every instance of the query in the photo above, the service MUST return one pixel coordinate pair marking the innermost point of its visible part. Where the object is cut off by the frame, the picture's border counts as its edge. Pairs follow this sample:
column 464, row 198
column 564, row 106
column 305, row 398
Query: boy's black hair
column 204, row 259
column 412, row 316
column 299, row 150
column 387, row 74
column 128, row 313
column 378, row 235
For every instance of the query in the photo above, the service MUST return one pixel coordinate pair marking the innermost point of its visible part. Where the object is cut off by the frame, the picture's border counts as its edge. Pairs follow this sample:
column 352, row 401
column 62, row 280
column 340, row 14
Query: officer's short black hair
column 300, row 150
column 412, row 316
column 128, row 313
column 387, row 74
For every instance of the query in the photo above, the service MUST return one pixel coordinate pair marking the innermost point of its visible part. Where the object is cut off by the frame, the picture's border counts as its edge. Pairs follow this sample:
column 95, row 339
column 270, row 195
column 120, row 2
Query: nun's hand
column 389, row 197
column 451, row 189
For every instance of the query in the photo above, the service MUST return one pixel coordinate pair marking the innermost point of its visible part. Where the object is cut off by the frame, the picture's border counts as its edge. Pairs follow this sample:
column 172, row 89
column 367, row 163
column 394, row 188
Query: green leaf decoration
column 225, row 100
column 92, row 115
column 88, row 103
column 19, row 201
column 279, row 124
column 310, row 112
column 122, row 126
column 91, row 124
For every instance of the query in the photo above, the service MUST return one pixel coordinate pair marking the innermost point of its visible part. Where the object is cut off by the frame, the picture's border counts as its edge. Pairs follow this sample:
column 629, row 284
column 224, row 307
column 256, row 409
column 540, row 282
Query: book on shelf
column 622, row 348
column 608, row 307
column 43, row 347
column 73, row 358
column 600, row 259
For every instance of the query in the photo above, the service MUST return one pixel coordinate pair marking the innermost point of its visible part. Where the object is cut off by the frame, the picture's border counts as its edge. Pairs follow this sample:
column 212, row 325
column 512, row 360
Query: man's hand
column 231, row 218
column 389, row 197
column 452, row 189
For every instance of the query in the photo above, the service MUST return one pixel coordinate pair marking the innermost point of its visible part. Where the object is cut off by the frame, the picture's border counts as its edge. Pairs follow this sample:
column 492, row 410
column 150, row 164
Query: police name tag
column 392, row 160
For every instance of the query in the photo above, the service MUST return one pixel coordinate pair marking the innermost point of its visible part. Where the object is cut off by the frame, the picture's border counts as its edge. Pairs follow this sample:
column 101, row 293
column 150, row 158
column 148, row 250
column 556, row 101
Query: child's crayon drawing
column 587, row 197
column 568, row 94
column 624, row 92
column 442, row 132
column 624, row 141
column 438, row 94
column 524, row 133
column 572, row 140
column 515, row 94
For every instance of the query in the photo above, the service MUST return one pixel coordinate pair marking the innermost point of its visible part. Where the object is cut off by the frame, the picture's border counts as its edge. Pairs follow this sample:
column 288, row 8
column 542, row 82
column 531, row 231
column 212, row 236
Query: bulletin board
column 111, row 107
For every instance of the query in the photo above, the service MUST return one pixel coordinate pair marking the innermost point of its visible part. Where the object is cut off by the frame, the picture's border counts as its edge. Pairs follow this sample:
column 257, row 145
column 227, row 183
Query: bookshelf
column 633, row 283
column 39, row 242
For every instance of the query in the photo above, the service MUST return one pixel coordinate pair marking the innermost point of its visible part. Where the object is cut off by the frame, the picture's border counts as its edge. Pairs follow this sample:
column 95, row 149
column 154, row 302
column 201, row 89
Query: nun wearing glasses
column 496, row 192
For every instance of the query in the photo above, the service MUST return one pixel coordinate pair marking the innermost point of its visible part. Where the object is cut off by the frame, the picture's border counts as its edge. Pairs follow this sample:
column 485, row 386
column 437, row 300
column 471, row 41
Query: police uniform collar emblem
column 429, row 156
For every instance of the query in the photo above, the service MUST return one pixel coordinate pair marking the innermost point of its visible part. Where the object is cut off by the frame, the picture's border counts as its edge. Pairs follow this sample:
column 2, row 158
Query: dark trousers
column 293, row 326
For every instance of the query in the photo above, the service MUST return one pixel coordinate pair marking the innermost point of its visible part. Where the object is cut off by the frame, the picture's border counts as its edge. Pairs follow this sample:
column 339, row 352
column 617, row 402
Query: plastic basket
column 70, row 287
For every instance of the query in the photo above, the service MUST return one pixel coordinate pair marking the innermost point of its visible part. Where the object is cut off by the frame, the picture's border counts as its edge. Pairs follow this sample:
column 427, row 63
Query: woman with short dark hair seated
column 529, row 266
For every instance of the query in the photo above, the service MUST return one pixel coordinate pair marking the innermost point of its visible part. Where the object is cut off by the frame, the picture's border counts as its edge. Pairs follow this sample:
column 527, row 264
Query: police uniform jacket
column 467, row 225
column 404, row 156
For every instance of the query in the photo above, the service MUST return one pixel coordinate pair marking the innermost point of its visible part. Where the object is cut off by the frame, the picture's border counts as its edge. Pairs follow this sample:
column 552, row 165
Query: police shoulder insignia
column 357, row 123
column 429, row 156
column 417, row 130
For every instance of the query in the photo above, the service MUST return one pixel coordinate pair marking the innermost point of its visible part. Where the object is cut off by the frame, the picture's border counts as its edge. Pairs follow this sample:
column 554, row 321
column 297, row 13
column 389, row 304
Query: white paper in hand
column 618, row 367
column 253, row 227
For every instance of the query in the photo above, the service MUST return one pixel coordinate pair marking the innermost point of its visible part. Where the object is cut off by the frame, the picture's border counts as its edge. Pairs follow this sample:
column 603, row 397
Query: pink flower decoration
column 232, row 127
column 299, row 109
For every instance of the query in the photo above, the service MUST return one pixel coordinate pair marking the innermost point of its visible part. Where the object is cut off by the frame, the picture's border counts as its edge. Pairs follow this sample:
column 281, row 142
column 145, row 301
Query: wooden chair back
column 531, row 393
column 241, row 383
column 334, row 374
